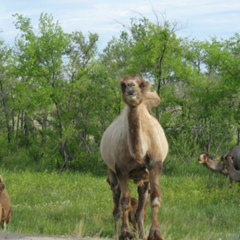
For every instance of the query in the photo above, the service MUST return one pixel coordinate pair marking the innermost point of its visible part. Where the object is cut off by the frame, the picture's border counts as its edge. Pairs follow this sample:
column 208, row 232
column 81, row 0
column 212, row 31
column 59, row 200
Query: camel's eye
column 143, row 86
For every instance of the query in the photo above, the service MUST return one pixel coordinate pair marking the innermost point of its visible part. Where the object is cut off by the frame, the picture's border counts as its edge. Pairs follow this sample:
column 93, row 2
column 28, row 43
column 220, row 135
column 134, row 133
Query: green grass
column 197, row 204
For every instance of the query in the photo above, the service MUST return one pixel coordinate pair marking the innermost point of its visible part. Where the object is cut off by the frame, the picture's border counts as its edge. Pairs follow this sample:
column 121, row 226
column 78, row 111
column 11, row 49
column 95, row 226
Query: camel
column 213, row 164
column 5, row 206
column 234, row 174
column 134, row 147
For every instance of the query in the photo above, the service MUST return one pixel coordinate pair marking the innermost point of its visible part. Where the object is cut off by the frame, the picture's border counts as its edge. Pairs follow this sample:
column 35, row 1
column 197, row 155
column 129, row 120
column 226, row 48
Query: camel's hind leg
column 112, row 180
column 155, row 172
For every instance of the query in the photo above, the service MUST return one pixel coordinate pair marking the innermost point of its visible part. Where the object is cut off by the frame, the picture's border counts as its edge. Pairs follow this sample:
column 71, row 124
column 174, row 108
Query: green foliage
column 58, row 94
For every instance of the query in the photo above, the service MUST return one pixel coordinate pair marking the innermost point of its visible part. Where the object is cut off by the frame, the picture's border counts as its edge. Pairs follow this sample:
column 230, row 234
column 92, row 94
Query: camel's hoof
column 126, row 236
column 155, row 235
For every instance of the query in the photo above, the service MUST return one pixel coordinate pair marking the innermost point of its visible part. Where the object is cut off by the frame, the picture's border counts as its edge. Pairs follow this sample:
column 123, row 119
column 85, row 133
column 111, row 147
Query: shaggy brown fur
column 5, row 206
column 134, row 147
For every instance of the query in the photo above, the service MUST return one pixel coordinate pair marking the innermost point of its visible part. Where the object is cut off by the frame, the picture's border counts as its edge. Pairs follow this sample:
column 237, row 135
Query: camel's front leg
column 155, row 172
column 113, row 182
column 141, row 211
column 125, row 201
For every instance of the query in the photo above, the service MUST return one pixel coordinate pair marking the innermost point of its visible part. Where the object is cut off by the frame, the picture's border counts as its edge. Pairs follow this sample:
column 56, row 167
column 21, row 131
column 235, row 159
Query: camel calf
column 5, row 206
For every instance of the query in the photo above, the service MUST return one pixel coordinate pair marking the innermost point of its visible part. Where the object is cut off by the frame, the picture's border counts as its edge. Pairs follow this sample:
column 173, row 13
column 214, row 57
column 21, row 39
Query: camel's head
column 1, row 179
column 203, row 158
column 134, row 90
column 227, row 159
column 2, row 186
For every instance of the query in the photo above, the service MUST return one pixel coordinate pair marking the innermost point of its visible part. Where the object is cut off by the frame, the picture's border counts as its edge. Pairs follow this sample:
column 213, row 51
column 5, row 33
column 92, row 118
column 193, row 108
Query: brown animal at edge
column 213, row 164
column 234, row 174
column 5, row 206
column 134, row 147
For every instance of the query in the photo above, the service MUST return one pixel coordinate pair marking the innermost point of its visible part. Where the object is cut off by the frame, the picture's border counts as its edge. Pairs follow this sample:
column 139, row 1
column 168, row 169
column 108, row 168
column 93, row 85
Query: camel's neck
column 134, row 133
column 214, row 165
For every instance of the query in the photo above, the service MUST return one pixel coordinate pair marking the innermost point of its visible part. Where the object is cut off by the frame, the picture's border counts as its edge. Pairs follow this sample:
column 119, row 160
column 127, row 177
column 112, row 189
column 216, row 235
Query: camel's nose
column 131, row 91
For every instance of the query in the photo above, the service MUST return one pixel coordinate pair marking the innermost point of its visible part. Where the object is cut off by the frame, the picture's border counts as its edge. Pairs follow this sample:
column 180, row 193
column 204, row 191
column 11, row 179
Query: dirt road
column 16, row 236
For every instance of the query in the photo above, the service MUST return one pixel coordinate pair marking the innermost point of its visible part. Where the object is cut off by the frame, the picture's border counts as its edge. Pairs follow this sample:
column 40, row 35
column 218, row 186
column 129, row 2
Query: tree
column 6, row 90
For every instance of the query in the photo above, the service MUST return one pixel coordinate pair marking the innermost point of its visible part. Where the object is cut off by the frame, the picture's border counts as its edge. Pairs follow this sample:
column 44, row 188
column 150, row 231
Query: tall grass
column 197, row 204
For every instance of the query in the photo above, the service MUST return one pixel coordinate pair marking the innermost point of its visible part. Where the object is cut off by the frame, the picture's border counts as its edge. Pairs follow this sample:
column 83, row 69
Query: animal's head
column 203, row 158
column 2, row 186
column 227, row 159
column 134, row 90
column 1, row 179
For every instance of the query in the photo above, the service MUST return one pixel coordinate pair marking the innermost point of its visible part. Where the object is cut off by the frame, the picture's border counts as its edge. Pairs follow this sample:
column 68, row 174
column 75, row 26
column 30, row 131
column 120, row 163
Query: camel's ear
column 206, row 155
column 145, row 86
column 123, row 86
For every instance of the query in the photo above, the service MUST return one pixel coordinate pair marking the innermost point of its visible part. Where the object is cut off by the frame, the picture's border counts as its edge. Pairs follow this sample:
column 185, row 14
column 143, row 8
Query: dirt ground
column 16, row 236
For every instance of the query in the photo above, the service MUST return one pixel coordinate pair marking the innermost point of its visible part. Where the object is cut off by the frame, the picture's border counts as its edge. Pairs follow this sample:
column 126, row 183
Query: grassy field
column 197, row 204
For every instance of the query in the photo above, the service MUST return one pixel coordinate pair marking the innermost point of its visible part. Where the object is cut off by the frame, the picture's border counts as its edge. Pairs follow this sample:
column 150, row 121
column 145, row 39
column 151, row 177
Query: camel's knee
column 116, row 212
column 125, row 203
column 155, row 196
column 156, row 202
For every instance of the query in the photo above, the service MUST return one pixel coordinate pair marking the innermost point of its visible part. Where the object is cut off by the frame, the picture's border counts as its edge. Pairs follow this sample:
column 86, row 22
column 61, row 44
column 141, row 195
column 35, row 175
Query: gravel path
column 16, row 236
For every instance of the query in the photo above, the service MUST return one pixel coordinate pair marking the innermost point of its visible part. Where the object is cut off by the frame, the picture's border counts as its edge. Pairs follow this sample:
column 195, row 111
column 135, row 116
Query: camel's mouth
column 201, row 159
column 132, row 96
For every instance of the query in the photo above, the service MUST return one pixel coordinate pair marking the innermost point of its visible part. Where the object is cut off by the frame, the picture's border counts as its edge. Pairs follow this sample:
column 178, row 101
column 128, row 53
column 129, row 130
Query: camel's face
column 133, row 90
column 203, row 158
column 2, row 186
column 228, row 159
